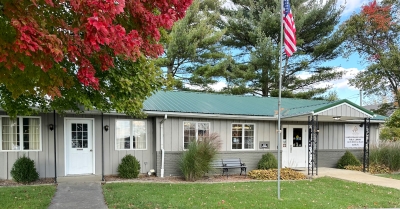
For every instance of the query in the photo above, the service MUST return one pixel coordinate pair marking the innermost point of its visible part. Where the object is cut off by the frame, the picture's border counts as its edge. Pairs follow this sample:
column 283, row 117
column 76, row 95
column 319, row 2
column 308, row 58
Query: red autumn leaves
column 86, row 32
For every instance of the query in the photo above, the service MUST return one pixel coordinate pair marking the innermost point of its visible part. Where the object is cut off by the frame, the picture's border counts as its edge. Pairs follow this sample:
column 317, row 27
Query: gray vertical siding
column 331, row 144
column 344, row 109
column 173, row 132
column 44, row 159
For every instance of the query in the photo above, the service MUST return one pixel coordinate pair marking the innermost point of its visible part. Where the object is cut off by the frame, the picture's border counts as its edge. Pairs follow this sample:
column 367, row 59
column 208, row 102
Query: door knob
column 91, row 150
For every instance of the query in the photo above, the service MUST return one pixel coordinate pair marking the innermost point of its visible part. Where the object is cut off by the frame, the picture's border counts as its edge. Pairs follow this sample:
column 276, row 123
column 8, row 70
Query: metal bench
column 226, row 164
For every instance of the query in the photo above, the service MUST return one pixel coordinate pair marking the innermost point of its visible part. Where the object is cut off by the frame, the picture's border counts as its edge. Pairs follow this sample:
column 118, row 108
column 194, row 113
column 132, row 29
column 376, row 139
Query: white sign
column 353, row 136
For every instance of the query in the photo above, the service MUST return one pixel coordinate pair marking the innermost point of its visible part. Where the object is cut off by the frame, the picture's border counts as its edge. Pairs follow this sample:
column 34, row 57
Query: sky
column 350, row 66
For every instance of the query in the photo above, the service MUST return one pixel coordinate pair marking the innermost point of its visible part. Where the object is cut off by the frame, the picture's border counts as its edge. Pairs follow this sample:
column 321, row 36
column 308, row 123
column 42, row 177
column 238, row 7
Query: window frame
column 130, row 135
column 243, row 137
column 21, row 134
column 196, row 130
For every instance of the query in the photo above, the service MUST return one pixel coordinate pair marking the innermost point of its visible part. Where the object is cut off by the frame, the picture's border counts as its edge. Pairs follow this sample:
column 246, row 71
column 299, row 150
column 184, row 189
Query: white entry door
column 294, row 146
column 79, row 146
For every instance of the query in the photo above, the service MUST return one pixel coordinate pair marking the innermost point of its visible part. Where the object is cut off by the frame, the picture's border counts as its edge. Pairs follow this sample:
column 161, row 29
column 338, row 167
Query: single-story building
column 93, row 143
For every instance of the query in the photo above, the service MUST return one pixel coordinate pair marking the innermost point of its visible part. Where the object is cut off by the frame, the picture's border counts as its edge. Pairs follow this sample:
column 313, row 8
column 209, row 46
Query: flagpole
column 279, row 102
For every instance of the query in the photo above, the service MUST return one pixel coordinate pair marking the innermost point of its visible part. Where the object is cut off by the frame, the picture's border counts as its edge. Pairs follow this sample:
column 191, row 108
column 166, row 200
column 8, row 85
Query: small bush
column 348, row 159
column 24, row 171
column 129, row 167
column 195, row 161
column 267, row 161
column 272, row 174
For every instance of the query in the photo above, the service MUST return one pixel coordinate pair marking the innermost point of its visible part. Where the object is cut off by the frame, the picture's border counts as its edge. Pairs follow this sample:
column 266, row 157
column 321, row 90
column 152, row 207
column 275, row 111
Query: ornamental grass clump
column 129, row 167
column 348, row 159
column 387, row 154
column 24, row 171
column 195, row 161
column 267, row 161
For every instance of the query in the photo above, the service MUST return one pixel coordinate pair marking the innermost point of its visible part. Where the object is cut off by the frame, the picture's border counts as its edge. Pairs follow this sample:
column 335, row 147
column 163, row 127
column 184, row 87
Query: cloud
column 339, row 84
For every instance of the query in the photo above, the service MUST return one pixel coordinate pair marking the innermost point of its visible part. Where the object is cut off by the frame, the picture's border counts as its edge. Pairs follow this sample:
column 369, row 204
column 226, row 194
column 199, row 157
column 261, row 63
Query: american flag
column 289, row 29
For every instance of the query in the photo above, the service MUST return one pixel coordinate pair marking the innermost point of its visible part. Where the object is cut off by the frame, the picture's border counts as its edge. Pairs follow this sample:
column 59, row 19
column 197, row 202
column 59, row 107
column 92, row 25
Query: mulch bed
column 38, row 182
column 144, row 178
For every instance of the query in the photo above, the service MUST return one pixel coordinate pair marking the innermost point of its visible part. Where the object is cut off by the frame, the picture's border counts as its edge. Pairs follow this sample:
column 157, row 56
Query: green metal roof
column 221, row 104
column 208, row 103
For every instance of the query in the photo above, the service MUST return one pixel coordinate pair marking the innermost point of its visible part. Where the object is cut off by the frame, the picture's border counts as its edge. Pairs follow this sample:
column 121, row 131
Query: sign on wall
column 353, row 136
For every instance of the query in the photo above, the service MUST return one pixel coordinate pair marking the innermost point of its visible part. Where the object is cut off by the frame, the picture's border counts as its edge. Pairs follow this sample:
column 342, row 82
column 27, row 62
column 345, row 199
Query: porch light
column 336, row 118
column 106, row 127
column 51, row 127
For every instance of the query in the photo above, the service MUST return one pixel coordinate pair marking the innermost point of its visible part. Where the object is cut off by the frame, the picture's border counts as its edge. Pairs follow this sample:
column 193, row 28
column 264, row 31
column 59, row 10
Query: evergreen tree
column 253, row 34
column 191, row 47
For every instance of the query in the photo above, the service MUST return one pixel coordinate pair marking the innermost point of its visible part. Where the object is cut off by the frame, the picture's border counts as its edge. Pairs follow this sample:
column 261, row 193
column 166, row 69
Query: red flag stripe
column 289, row 30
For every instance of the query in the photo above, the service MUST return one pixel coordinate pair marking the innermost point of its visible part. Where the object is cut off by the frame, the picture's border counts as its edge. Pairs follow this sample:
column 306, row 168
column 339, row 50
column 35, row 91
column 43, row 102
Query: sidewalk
column 358, row 176
column 78, row 192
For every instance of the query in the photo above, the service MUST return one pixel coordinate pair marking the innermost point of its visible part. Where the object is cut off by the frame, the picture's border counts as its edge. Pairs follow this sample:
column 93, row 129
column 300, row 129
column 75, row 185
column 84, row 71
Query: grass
column 391, row 176
column 26, row 196
column 322, row 192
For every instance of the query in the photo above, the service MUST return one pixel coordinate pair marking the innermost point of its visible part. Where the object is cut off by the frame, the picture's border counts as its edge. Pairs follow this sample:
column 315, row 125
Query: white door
column 79, row 146
column 294, row 146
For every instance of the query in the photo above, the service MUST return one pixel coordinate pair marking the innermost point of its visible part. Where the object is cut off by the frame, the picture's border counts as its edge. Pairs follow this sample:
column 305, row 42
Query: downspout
column 102, row 147
column 55, row 148
column 162, row 144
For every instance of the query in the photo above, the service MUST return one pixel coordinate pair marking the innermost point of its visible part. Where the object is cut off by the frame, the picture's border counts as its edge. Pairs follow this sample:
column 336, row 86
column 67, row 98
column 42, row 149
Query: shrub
column 348, row 159
column 272, row 174
column 390, row 134
column 195, row 161
column 388, row 154
column 129, row 167
column 267, row 161
column 24, row 171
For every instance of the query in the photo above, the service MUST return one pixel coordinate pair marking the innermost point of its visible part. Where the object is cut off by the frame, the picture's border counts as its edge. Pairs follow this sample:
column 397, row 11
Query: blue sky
column 350, row 66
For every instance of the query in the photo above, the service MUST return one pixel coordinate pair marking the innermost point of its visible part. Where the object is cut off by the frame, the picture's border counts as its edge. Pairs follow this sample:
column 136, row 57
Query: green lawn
column 322, row 192
column 392, row 176
column 26, row 196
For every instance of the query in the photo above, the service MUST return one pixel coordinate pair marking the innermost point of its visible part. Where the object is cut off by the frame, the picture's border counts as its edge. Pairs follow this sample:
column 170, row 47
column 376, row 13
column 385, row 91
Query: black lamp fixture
column 106, row 127
column 51, row 127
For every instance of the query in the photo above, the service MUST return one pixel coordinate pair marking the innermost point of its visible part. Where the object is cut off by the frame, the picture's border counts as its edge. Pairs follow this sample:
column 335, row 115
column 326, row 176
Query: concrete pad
column 78, row 195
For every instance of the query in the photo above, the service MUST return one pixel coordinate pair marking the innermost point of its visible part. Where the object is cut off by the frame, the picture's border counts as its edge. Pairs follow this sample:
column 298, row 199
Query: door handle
column 91, row 150
column 291, row 148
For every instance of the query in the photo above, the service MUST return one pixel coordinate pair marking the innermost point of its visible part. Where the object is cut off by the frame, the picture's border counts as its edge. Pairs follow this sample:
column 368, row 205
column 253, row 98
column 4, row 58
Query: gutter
column 162, row 144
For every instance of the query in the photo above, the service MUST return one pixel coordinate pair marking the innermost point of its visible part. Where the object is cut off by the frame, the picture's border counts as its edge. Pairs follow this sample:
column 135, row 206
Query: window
column 242, row 136
column 194, row 131
column 22, row 133
column 130, row 135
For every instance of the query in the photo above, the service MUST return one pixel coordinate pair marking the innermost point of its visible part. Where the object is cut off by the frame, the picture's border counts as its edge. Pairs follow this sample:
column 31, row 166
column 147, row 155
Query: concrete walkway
column 78, row 192
column 358, row 176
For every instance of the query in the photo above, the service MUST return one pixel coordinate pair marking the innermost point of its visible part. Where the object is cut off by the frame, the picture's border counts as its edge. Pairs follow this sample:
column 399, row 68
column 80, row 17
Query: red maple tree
column 86, row 33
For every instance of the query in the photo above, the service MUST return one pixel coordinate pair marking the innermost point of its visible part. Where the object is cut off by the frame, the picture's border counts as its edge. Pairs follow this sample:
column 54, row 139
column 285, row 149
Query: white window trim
column 20, row 118
column 254, row 138
column 197, row 137
column 131, row 134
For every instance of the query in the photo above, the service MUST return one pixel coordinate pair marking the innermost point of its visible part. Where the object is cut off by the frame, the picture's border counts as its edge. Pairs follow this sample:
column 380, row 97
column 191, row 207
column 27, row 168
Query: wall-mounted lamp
column 106, row 127
column 51, row 127
column 336, row 118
